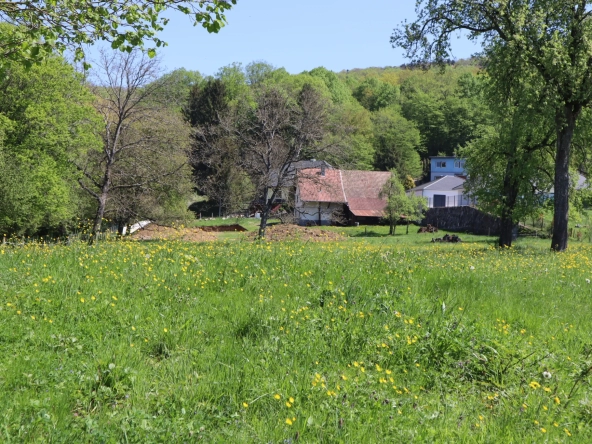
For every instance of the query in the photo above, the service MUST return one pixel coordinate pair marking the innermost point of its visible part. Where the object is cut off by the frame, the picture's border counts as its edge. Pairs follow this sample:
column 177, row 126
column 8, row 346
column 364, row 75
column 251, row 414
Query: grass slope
column 382, row 341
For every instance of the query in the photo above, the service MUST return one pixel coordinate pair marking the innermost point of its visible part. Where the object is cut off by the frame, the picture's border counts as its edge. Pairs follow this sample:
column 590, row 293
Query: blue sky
column 297, row 35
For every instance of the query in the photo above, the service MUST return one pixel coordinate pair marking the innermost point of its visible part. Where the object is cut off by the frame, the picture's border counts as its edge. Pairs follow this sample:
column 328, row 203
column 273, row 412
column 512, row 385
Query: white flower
column 587, row 281
column 547, row 375
column 471, row 268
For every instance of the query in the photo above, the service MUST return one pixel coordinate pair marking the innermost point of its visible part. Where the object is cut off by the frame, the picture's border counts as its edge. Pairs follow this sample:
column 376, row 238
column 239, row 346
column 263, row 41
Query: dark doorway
column 439, row 200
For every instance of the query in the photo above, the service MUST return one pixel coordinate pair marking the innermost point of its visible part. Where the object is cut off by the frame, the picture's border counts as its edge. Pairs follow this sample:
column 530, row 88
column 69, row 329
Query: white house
column 441, row 166
column 447, row 191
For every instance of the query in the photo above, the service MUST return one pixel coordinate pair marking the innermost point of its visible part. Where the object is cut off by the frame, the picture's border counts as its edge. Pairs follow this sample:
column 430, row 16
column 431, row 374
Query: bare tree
column 144, row 144
column 275, row 134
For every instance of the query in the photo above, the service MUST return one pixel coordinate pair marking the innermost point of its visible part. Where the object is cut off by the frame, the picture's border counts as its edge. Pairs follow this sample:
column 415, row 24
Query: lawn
column 371, row 339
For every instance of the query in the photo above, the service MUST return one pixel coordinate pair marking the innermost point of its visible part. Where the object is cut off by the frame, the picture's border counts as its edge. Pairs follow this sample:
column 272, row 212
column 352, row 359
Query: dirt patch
column 224, row 228
column 284, row 232
column 159, row 232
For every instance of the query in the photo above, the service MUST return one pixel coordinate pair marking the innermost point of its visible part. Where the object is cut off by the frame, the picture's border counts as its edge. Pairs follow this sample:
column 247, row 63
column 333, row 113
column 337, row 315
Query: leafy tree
column 175, row 87
column 338, row 90
column 41, row 28
column 510, row 165
column 351, row 129
column 550, row 39
column 445, row 114
column 235, row 81
column 375, row 95
column 46, row 119
column 396, row 144
column 257, row 72
column 213, row 153
column 399, row 203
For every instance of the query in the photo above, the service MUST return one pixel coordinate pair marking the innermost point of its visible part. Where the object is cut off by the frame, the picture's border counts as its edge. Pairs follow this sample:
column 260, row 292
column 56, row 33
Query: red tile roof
column 316, row 188
column 359, row 189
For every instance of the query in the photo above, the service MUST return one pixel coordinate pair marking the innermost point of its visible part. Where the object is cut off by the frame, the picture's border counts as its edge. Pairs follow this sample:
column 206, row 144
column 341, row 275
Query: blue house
column 441, row 166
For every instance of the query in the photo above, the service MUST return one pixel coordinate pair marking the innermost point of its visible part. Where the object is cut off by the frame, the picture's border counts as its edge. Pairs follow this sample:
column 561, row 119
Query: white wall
column 454, row 198
column 308, row 212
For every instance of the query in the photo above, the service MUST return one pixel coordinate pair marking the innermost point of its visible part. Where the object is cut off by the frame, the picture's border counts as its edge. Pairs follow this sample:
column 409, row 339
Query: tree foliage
column 40, row 28
column 46, row 119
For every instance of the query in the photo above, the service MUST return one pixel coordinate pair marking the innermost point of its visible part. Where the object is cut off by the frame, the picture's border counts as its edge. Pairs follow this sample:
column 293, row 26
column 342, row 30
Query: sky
column 297, row 35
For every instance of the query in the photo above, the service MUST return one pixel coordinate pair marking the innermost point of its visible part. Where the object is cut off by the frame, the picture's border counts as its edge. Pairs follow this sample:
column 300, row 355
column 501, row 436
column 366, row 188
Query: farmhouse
column 324, row 196
column 447, row 191
column 288, row 178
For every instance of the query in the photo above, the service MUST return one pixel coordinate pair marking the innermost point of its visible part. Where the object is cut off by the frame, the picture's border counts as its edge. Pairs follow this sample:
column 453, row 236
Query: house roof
column 294, row 167
column 446, row 183
column 359, row 189
column 580, row 185
column 317, row 188
column 362, row 190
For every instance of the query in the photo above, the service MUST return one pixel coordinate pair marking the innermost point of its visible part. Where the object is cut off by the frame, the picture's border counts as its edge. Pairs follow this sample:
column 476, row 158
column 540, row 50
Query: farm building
column 325, row 196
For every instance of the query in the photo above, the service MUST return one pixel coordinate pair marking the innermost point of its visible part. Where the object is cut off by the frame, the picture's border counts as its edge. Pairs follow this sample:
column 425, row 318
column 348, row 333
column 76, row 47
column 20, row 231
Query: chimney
column 322, row 169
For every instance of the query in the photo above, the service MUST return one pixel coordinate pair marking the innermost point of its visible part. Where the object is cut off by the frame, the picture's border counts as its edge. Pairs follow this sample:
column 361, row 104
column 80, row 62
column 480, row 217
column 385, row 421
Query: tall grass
column 261, row 342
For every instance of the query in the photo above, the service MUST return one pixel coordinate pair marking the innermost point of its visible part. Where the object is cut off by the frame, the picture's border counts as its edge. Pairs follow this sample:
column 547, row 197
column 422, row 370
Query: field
column 369, row 339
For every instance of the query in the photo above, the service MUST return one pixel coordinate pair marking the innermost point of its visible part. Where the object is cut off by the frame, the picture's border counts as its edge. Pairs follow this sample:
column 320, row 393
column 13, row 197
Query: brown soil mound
column 284, row 232
column 224, row 228
column 159, row 232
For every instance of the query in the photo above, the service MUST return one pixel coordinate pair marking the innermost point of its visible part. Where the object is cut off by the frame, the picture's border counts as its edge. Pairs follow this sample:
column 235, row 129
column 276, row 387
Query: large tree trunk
column 102, row 203
column 96, row 229
column 566, row 126
column 265, row 213
column 510, row 196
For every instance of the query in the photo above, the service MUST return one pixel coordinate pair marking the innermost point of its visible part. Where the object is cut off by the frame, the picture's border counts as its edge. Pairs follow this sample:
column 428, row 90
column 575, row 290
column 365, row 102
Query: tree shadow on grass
column 371, row 233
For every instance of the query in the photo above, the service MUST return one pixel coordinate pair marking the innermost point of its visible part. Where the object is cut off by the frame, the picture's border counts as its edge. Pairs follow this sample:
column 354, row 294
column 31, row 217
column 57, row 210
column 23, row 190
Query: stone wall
column 463, row 219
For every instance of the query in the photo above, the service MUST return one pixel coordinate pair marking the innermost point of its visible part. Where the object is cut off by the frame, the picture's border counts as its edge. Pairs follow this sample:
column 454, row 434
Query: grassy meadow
column 371, row 339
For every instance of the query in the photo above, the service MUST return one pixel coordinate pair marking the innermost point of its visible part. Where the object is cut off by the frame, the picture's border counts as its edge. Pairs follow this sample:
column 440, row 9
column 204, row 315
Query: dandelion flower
column 289, row 421
column 277, row 396
column 245, row 405
column 557, row 400
column 534, row 385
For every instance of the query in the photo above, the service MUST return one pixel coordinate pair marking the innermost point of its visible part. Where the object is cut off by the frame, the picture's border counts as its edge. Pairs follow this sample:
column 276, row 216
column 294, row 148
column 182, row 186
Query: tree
column 214, row 154
column 374, row 94
column 274, row 134
column 46, row 119
column 550, row 38
column 399, row 203
column 40, row 28
column 143, row 143
column 396, row 144
column 510, row 165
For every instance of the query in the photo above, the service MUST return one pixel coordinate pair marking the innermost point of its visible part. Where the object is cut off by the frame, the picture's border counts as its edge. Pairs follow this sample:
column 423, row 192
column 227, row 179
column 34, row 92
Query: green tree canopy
column 40, row 28
column 396, row 144
column 46, row 119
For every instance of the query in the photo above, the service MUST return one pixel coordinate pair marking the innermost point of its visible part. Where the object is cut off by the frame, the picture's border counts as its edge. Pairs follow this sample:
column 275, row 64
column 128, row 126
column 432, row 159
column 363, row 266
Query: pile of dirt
column 224, row 228
column 159, row 232
column 285, row 232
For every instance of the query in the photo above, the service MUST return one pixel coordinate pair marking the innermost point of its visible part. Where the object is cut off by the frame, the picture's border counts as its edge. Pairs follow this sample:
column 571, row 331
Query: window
column 459, row 164
column 440, row 164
